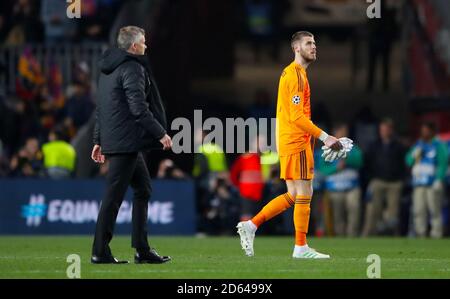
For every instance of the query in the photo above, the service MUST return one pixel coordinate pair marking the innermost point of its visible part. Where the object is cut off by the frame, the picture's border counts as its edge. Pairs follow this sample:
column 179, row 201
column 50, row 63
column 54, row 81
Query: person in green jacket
column 59, row 156
column 428, row 159
column 342, row 183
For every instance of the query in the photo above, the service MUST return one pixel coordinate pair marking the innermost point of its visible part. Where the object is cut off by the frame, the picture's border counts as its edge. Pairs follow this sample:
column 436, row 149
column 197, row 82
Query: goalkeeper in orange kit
column 295, row 144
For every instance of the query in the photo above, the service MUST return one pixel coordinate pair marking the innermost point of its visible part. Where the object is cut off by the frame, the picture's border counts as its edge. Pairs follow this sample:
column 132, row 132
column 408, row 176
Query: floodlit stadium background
column 225, row 58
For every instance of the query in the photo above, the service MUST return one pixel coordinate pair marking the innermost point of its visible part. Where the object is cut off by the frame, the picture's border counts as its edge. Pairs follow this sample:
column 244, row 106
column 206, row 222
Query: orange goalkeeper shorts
column 299, row 166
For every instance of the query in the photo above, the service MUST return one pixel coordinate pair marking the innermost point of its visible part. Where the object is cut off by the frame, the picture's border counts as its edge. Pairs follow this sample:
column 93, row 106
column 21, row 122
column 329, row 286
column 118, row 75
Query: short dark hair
column 387, row 121
column 128, row 35
column 340, row 125
column 298, row 37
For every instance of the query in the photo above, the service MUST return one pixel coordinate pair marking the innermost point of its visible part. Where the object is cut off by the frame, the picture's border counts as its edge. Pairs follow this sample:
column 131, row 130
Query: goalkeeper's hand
column 333, row 143
column 330, row 155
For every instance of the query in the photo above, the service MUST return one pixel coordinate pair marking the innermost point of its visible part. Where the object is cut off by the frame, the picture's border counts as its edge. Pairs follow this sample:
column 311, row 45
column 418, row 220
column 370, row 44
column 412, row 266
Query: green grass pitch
column 222, row 257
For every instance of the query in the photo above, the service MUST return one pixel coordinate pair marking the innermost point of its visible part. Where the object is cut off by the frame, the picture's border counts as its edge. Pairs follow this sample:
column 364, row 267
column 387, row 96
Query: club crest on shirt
column 296, row 100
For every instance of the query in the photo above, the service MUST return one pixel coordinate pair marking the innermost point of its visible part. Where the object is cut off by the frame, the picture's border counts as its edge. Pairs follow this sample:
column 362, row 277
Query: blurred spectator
column 447, row 190
column 11, row 111
column 82, row 143
column 58, row 27
column 386, row 181
column 97, row 17
column 82, row 74
column 28, row 161
column 246, row 175
column 264, row 22
column 55, row 85
column 5, row 18
column 272, row 188
column 343, row 184
column 30, row 75
column 79, row 105
column 262, row 106
column 168, row 170
column 209, row 158
column 209, row 161
column 48, row 111
column 269, row 159
column 428, row 159
column 364, row 127
column 4, row 167
column 259, row 24
column 382, row 32
column 322, row 116
column 209, row 164
column 25, row 24
column 223, row 210
column 319, row 203
column 59, row 156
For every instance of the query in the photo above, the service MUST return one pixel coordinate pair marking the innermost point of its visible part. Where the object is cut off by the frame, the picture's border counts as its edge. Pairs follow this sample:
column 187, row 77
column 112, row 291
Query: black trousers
column 124, row 169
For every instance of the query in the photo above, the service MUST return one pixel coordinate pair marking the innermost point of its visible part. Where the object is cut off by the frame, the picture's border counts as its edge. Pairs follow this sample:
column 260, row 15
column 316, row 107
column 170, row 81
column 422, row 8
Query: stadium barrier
column 42, row 57
column 42, row 206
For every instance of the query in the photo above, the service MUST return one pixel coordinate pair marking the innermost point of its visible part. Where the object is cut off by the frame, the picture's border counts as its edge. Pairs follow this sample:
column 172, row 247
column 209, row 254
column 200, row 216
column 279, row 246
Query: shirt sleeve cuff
column 323, row 136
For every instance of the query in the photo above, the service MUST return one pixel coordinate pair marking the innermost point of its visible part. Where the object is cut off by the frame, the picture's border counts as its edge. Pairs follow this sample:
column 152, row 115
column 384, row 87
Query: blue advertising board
column 42, row 206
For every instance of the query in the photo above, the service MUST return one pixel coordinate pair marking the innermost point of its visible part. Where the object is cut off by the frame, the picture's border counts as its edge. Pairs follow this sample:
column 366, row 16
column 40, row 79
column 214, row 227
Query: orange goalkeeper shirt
column 294, row 126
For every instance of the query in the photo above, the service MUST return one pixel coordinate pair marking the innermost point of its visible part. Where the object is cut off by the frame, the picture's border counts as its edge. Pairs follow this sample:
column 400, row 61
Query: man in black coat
column 130, row 118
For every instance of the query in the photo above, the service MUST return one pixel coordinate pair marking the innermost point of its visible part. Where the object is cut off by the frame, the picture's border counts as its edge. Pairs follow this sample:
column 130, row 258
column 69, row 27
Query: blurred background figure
column 264, row 20
column 210, row 164
column 263, row 105
column 97, row 16
column 246, row 175
column 209, row 158
column 28, row 161
column 386, row 176
column 428, row 159
column 223, row 207
column 23, row 23
column 343, row 185
column 57, row 26
column 168, row 170
column 382, row 33
column 272, row 187
column 80, row 105
column 364, row 126
column 320, row 221
column 59, row 156
column 49, row 71
column 4, row 167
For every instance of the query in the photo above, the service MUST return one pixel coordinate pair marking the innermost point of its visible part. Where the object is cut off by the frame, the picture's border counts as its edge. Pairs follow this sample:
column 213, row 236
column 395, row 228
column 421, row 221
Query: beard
column 308, row 57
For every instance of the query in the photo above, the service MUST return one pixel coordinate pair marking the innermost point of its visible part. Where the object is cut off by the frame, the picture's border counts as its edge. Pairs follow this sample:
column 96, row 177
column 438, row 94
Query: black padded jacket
column 130, row 115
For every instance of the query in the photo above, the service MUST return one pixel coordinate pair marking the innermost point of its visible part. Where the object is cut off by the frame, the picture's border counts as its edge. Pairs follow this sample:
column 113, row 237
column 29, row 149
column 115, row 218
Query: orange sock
column 273, row 208
column 301, row 218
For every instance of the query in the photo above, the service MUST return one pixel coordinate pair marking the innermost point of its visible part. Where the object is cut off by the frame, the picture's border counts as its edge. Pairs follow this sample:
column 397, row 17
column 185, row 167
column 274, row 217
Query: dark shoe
column 106, row 260
column 150, row 257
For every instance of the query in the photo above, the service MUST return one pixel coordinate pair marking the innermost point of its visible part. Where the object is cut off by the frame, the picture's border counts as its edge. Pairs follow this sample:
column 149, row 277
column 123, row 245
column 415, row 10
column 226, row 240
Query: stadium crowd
column 387, row 185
